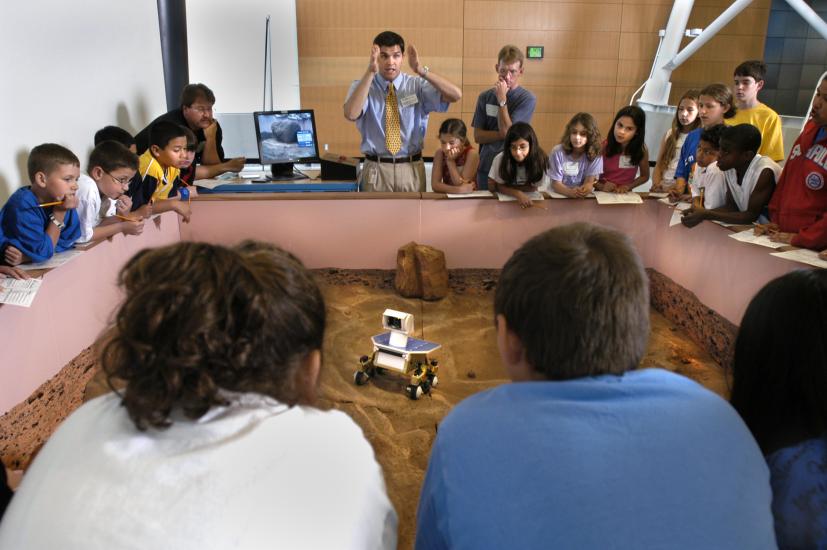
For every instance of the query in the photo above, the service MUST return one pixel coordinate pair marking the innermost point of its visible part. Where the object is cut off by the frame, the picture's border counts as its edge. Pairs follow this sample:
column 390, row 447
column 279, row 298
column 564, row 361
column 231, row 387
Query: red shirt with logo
column 799, row 204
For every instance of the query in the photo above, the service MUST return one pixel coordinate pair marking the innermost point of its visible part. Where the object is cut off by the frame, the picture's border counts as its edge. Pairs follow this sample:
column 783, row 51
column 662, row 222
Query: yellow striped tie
column 393, row 134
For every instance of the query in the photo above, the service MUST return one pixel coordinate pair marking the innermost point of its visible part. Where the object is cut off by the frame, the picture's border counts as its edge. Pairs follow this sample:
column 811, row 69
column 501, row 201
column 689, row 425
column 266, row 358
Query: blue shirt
column 520, row 104
column 416, row 98
column 24, row 225
column 649, row 459
column 799, row 487
column 688, row 152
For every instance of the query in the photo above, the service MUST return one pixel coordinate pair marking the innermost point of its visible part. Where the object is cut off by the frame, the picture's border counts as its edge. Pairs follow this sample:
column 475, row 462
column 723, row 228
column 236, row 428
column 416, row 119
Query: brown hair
column 111, row 155
column 193, row 92
column 510, row 54
column 592, row 133
column 577, row 297
column 723, row 95
column 199, row 318
column 667, row 152
column 47, row 157
column 454, row 127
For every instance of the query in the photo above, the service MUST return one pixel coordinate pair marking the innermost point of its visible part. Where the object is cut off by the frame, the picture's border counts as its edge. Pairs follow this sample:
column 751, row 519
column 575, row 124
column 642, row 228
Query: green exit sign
column 534, row 52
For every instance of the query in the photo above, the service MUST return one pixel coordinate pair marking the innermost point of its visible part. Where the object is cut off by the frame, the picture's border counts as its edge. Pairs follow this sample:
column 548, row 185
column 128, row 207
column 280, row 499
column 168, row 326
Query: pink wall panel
column 68, row 313
column 75, row 300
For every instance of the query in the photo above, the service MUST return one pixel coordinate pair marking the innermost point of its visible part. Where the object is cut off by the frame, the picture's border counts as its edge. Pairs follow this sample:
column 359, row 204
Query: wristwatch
column 503, row 103
column 425, row 70
column 60, row 225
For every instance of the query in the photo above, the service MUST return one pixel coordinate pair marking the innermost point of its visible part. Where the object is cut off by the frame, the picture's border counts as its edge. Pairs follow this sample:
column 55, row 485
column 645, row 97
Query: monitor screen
column 286, row 136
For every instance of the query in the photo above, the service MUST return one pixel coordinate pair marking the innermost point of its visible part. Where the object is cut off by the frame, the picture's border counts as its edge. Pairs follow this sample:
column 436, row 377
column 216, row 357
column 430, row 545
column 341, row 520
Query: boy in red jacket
column 798, row 209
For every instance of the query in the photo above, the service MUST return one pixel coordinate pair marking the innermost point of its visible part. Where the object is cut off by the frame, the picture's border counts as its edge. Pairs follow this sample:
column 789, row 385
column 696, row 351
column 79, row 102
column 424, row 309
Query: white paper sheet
column 748, row 236
column 556, row 195
column 659, row 195
column 617, row 198
column 802, row 255
column 725, row 224
column 677, row 213
column 471, row 195
column 55, row 261
column 533, row 195
column 19, row 292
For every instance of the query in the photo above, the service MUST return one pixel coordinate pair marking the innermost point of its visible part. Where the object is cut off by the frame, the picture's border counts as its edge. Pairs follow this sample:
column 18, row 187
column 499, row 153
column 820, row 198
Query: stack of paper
column 617, row 198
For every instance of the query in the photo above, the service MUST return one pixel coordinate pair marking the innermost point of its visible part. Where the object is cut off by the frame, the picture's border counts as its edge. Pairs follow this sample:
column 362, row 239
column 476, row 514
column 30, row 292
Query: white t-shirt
column 89, row 205
column 494, row 173
column 255, row 474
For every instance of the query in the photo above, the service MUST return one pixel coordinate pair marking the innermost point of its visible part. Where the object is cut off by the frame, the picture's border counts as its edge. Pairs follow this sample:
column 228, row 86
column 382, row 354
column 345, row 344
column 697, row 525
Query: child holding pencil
column 40, row 219
column 103, row 202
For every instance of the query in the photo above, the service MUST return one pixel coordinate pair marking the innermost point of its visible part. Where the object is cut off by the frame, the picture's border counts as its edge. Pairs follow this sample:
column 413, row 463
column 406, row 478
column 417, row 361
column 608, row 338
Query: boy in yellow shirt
column 158, row 166
column 749, row 79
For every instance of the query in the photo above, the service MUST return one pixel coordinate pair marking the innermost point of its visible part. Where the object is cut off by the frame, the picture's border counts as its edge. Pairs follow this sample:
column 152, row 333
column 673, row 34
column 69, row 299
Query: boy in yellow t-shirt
column 158, row 167
column 749, row 79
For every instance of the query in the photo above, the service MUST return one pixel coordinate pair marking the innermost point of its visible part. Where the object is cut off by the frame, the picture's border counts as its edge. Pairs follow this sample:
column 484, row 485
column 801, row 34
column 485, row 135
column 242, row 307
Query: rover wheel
column 364, row 359
column 414, row 392
column 434, row 381
column 361, row 378
column 434, row 362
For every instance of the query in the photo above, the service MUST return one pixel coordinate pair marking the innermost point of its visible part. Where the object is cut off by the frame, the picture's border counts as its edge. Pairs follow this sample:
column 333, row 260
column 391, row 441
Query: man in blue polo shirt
column 499, row 107
column 391, row 110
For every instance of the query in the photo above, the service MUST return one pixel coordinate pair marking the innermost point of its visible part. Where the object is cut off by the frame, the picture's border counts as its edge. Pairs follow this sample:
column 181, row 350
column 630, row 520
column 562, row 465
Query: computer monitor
column 286, row 137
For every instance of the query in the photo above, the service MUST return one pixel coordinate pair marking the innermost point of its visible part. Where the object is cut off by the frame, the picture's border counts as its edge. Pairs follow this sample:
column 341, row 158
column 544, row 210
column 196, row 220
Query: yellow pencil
column 126, row 218
column 45, row 204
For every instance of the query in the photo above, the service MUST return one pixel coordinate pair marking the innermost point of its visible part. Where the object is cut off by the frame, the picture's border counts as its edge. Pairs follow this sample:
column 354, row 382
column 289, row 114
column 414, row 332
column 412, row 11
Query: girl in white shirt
column 213, row 442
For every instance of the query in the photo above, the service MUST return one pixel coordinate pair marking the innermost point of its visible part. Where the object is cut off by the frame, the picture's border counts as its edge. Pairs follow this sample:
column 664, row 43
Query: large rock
column 285, row 131
column 421, row 272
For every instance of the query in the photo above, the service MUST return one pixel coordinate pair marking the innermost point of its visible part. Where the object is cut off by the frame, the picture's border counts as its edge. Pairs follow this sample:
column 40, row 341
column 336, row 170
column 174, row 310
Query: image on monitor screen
column 286, row 137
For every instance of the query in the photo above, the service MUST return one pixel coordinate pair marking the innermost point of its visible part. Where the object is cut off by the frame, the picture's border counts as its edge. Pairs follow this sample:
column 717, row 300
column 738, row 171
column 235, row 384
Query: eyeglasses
column 201, row 109
column 123, row 180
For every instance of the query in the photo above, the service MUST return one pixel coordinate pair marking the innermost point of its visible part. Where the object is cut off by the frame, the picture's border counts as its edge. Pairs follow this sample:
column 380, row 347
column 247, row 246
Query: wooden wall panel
column 597, row 53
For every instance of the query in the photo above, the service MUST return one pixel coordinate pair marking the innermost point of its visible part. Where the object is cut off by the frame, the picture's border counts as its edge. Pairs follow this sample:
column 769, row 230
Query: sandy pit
column 400, row 430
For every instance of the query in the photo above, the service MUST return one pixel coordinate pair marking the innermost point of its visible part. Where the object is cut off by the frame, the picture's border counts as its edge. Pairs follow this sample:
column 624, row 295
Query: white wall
column 226, row 52
column 70, row 68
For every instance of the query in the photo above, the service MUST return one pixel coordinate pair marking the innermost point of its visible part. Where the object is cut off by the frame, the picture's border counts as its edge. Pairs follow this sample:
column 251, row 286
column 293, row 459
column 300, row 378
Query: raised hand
column 413, row 59
column 373, row 64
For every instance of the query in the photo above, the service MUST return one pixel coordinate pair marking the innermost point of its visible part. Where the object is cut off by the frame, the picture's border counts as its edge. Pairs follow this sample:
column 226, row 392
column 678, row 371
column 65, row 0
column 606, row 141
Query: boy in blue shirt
column 583, row 450
column 40, row 219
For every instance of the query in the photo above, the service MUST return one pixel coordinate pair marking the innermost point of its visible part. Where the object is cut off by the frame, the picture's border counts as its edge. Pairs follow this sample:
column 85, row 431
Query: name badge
column 492, row 110
column 626, row 162
column 571, row 168
column 409, row 100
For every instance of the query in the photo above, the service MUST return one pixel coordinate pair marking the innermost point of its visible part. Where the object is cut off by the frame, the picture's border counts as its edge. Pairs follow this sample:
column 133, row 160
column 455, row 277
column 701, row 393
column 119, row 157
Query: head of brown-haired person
column 199, row 319
column 572, row 302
